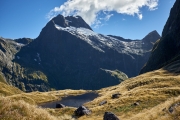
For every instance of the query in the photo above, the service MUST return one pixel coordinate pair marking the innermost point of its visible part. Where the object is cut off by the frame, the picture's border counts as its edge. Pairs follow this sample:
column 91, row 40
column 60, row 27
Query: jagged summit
column 154, row 35
column 150, row 39
column 73, row 21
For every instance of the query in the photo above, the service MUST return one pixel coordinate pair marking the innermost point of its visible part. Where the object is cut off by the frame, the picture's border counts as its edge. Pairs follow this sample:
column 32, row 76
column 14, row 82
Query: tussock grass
column 2, row 79
column 66, row 112
column 7, row 90
column 20, row 110
column 160, row 112
column 17, row 105
column 43, row 97
column 153, row 91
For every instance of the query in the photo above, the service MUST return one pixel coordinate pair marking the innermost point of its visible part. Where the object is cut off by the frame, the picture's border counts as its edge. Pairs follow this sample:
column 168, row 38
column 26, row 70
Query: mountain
column 13, row 73
column 167, row 49
column 151, row 96
column 23, row 40
column 69, row 54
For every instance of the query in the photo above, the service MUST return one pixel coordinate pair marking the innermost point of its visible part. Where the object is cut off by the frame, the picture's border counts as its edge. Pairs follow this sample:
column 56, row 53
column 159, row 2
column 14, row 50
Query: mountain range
column 68, row 54
column 152, row 95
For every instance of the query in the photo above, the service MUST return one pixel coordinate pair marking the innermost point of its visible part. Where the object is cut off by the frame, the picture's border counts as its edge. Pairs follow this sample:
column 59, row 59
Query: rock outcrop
column 82, row 110
column 15, row 74
column 23, row 40
column 59, row 105
column 110, row 116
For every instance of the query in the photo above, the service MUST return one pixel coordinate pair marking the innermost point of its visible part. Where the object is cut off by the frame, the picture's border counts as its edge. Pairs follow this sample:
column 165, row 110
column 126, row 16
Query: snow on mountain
column 99, row 41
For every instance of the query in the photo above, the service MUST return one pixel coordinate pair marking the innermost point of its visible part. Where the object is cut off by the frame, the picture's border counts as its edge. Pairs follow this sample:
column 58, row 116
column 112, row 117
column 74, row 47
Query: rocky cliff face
column 167, row 49
column 71, row 55
column 15, row 74
column 23, row 40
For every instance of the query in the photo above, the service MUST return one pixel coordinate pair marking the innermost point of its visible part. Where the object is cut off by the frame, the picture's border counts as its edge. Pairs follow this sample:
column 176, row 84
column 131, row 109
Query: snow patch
column 19, row 44
column 68, row 21
column 18, row 57
column 100, row 42
column 38, row 56
column 76, row 16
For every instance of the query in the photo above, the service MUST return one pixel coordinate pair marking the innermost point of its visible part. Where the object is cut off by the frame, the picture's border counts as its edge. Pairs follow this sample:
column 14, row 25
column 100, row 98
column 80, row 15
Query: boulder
column 58, row 105
column 103, row 102
column 173, row 107
column 135, row 104
column 115, row 95
column 110, row 116
column 82, row 110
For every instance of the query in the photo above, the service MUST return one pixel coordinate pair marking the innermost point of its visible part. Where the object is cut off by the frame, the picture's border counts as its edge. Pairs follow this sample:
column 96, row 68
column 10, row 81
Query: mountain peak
column 166, row 50
column 74, row 21
column 154, row 35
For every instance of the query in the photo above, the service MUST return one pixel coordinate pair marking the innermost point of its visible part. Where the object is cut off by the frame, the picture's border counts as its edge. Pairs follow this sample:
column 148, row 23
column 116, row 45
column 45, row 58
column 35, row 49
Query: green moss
column 119, row 74
column 124, row 108
column 35, row 75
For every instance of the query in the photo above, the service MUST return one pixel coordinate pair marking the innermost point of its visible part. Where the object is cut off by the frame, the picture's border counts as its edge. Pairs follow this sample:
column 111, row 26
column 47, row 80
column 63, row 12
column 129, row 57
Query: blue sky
column 26, row 18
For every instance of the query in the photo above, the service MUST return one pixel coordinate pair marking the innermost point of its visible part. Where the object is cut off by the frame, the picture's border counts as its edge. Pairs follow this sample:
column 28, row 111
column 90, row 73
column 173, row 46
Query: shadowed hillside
column 167, row 49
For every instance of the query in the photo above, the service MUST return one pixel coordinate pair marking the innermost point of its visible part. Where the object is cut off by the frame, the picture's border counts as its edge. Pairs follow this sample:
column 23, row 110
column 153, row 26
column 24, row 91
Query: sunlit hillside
column 154, row 92
column 152, row 95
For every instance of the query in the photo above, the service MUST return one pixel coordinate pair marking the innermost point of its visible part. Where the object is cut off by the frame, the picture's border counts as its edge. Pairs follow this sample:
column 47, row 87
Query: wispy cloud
column 123, row 19
column 90, row 10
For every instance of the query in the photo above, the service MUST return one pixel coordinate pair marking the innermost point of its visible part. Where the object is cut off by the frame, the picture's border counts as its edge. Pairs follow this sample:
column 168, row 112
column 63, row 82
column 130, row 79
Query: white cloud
column 123, row 19
column 90, row 10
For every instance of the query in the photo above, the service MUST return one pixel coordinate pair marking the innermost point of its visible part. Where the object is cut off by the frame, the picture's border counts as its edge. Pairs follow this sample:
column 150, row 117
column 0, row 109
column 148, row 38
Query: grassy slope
column 42, row 97
column 16, row 105
column 7, row 90
column 155, row 91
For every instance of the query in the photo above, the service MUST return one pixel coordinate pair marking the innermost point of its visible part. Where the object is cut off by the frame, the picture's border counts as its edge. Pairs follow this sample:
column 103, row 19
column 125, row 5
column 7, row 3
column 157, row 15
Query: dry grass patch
column 154, row 92
column 160, row 112
column 20, row 110
column 11, row 109
column 67, row 111
column 7, row 90
column 149, row 90
column 42, row 97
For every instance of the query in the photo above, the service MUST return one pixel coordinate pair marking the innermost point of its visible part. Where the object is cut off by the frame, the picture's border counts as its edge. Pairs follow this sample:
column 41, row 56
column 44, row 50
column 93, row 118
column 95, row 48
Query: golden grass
column 155, row 92
column 160, row 112
column 7, row 90
column 20, row 110
column 152, row 90
column 35, row 98
column 2, row 79
column 18, row 105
